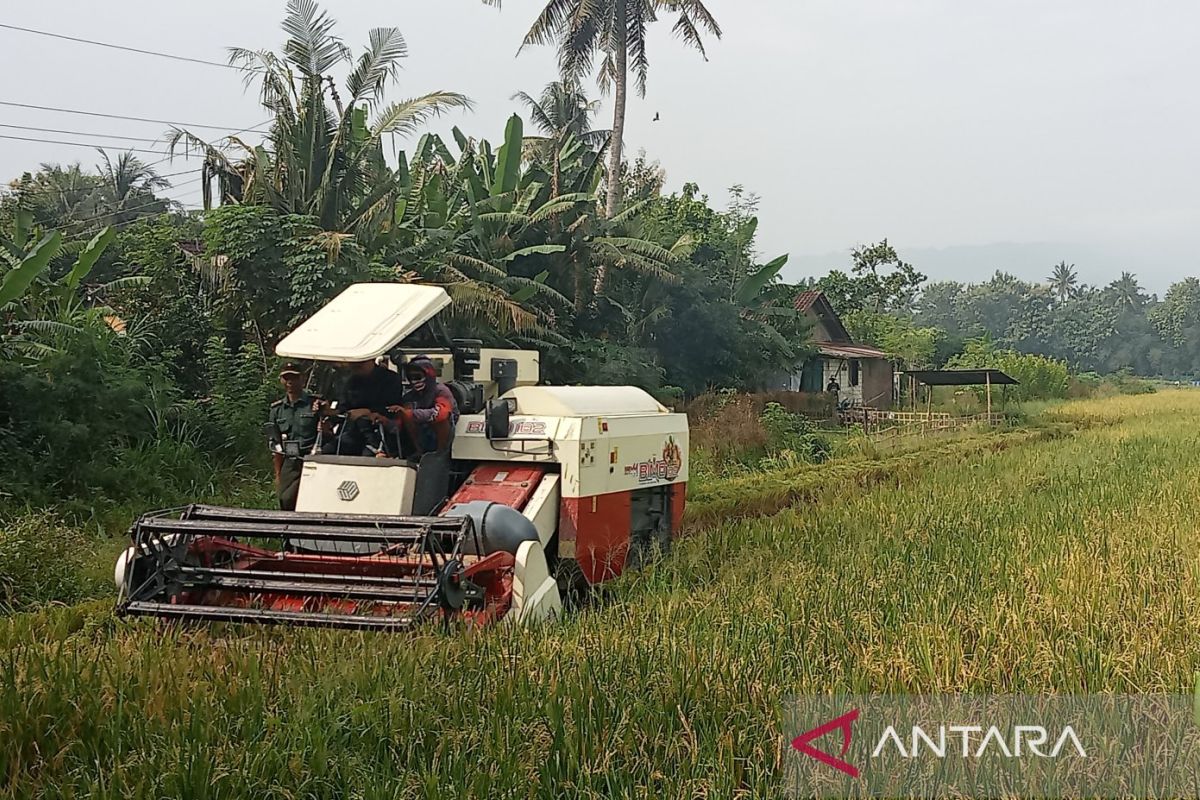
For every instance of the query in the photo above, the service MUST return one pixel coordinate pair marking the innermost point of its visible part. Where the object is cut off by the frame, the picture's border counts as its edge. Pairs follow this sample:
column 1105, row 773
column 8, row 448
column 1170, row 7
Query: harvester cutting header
column 538, row 493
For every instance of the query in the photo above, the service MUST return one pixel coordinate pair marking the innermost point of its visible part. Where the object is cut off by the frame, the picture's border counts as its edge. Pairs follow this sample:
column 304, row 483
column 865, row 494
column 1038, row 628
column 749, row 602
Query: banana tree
column 484, row 216
column 769, row 305
column 38, row 313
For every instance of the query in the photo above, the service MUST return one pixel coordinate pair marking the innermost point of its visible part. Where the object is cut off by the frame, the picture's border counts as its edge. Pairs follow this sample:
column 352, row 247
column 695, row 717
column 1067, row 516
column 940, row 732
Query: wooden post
column 928, row 408
column 988, row 380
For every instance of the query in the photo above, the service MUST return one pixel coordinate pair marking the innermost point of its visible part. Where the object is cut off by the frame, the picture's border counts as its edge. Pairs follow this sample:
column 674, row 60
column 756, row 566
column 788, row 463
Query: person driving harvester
column 366, row 395
column 427, row 413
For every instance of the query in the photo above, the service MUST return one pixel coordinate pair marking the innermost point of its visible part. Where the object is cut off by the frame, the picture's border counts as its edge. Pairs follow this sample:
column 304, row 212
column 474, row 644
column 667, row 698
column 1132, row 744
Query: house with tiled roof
column 860, row 374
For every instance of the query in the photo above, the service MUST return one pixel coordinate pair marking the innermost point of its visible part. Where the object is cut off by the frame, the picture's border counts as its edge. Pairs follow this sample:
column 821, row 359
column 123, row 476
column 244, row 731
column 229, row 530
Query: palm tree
column 1063, row 281
column 563, row 110
column 563, row 115
column 127, row 188
column 618, row 30
column 1126, row 292
column 57, row 196
column 323, row 157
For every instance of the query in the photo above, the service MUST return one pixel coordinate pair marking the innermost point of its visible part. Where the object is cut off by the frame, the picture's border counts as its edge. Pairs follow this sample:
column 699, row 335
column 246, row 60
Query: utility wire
column 227, row 136
column 82, row 144
column 166, row 155
column 99, row 226
column 119, row 116
column 121, row 47
column 79, row 133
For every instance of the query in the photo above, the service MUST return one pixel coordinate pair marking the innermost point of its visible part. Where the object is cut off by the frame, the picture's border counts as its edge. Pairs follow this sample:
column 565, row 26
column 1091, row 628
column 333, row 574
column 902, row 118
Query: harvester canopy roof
column 364, row 322
column 962, row 377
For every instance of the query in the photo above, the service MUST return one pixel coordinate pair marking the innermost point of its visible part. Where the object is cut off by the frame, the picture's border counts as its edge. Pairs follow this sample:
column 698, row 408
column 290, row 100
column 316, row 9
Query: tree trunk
column 621, row 58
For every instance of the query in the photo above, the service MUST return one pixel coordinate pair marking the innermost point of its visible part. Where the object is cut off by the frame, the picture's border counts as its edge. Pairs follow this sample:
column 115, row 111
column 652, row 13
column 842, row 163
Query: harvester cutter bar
column 307, row 619
column 304, row 517
column 323, row 585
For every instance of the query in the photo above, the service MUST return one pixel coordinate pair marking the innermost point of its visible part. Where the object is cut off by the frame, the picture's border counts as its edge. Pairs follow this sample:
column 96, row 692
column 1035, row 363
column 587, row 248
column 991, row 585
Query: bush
column 1038, row 377
column 792, row 433
column 1090, row 384
column 42, row 559
column 63, row 418
column 732, row 432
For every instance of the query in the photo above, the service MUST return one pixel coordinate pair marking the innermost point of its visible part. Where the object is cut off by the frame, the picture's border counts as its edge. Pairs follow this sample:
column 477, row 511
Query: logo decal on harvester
column 843, row 724
column 666, row 468
column 518, row 427
column 347, row 490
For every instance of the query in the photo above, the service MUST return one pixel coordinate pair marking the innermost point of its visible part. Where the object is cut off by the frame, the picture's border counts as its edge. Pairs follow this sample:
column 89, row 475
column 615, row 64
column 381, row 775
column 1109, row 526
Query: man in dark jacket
column 365, row 397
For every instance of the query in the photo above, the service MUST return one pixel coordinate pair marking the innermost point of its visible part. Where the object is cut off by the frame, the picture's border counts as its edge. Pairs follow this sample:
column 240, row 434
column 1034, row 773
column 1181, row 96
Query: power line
column 121, row 116
column 121, row 47
column 168, row 154
column 100, row 225
column 78, row 133
column 83, row 144
column 227, row 136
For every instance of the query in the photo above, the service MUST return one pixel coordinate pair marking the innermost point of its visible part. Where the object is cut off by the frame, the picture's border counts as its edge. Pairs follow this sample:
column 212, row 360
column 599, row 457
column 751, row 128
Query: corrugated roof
column 805, row 300
column 962, row 377
column 850, row 351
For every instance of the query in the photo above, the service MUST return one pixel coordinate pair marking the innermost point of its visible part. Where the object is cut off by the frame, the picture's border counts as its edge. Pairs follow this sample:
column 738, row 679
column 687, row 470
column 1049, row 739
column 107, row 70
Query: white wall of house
column 839, row 370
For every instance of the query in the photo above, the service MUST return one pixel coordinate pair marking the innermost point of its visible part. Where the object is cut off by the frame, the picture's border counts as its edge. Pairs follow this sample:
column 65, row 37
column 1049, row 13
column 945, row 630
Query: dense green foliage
column 1102, row 329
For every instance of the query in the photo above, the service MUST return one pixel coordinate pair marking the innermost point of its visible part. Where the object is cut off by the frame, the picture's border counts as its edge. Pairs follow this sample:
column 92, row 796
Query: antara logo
column 842, row 723
column 965, row 741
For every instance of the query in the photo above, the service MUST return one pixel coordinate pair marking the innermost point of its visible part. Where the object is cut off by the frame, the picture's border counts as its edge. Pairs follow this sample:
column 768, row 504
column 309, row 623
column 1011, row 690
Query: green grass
column 1025, row 561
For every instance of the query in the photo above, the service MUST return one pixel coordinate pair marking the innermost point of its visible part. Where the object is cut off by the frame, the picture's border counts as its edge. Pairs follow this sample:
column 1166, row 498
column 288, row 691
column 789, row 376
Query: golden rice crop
column 1025, row 561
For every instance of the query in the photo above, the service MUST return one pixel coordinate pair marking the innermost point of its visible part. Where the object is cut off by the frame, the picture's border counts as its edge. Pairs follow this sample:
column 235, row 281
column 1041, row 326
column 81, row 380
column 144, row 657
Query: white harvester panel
column 356, row 485
column 606, row 438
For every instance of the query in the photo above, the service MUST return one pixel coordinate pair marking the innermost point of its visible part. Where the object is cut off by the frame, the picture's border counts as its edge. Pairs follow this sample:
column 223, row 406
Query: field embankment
column 1026, row 561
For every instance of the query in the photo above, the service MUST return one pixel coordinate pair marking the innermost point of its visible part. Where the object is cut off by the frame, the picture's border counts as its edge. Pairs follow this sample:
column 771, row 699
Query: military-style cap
column 291, row 368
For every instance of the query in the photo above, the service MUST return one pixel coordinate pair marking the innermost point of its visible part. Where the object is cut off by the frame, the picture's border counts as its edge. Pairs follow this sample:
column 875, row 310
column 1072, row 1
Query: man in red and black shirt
column 427, row 412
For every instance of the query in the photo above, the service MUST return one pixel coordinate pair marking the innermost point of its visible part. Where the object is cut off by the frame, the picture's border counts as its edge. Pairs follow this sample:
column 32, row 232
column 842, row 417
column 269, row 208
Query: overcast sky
column 981, row 135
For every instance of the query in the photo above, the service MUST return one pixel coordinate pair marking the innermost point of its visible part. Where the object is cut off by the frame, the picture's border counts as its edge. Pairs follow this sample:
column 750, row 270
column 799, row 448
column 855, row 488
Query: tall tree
column 617, row 30
column 127, row 188
column 560, row 111
column 1125, row 292
column 562, row 115
column 1063, row 281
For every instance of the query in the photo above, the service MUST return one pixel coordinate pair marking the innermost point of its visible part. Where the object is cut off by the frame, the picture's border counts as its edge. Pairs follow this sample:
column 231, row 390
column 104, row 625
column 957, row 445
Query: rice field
column 1063, row 558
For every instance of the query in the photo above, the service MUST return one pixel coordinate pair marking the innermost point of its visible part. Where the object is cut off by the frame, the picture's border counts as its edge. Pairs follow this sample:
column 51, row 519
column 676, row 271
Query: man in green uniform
column 297, row 417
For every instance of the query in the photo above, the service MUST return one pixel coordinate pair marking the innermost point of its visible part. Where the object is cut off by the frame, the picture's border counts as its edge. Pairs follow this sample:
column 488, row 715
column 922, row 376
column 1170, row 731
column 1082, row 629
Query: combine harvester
column 545, row 492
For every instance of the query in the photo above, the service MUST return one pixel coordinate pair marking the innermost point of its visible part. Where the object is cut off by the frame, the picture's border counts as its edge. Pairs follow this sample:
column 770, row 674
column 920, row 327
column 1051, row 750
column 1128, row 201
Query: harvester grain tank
column 546, row 491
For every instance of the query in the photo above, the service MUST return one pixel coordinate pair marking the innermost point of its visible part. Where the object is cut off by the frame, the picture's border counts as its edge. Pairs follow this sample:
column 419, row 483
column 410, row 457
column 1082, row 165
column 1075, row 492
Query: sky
column 974, row 136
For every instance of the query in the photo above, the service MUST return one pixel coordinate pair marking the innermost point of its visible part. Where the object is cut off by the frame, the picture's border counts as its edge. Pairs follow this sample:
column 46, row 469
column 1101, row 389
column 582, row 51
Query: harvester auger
column 544, row 492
